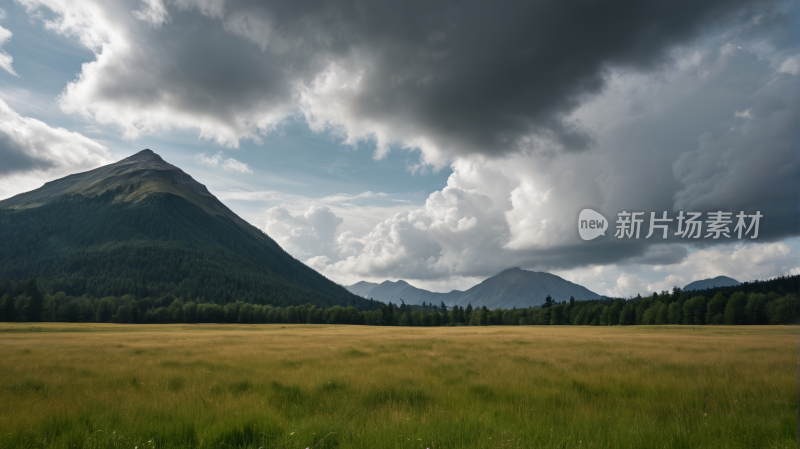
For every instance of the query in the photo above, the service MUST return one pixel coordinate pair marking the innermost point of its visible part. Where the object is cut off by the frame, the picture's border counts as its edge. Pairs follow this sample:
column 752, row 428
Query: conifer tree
column 35, row 301
column 9, row 308
column 734, row 311
column 483, row 318
column 716, row 309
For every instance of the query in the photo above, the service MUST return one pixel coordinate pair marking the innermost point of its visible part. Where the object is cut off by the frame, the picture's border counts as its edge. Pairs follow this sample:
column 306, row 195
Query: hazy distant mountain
column 361, row 289
column 719, row 281
column 521, row 288
column 511, row 288
column 143, row 226
column 395, row 291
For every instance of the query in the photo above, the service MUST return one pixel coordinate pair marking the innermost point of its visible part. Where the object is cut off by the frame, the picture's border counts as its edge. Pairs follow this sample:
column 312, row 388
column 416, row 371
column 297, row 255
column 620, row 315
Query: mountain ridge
column 144, row 226
column 139, row 176
column 510, row 288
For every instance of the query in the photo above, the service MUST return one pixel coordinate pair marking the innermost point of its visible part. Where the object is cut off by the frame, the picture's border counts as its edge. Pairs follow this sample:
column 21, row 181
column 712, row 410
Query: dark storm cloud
column 466, row 77
column 481, row 75
column 604, row 253
column 477, row 76
column 193, row 65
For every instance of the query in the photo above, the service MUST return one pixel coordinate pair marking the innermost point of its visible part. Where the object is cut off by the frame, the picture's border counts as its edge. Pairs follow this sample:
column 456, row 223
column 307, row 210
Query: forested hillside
column 143, row 227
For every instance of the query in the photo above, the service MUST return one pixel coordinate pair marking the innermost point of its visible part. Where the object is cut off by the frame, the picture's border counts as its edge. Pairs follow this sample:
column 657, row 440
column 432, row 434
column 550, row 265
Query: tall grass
column 181, row 386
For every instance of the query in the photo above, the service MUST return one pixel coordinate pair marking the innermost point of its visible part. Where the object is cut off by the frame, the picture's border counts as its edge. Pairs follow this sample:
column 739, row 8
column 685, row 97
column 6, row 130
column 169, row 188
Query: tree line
column 24, row 301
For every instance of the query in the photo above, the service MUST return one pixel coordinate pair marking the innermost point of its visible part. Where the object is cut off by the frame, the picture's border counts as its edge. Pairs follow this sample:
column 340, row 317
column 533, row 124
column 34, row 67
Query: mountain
column 521, row 288
column 719, row 281
column 395, row 291
column 361, row 289
column 511, row 288
column 142, row 226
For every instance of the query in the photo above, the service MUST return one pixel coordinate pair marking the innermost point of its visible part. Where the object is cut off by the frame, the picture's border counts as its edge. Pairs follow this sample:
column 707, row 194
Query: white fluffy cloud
column 218, row 160
column 6, row 60
column 34, row 153
column 306, row 236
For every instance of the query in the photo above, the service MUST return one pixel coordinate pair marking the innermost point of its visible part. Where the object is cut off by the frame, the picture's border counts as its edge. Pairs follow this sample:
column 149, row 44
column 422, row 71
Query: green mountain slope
column 142, row 226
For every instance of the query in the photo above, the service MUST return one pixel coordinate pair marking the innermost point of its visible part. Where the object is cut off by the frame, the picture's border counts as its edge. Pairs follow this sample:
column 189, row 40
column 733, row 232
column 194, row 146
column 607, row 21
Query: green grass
column 283, row 386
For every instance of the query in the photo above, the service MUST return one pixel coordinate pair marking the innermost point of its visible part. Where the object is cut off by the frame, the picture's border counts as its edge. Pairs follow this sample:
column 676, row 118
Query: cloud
column 309, row 235
column 665, row 142
column 741, row 261
column 753, row 164
column 337, row 199
column 153, row 12
column 233, row 165
column 218, row 160
column 791, row 65
column 344, row 198
column 5, row 59
column 657, row 106
column 447, row 78
column 33, row 153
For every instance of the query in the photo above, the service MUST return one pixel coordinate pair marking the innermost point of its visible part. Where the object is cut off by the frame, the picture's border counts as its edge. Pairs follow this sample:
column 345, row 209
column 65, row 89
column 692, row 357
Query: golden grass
column 101, row 385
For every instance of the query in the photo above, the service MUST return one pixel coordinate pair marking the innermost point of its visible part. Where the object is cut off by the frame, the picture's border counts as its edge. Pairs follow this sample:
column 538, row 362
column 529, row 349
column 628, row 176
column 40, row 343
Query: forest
column 158, row 246
column 767, row 302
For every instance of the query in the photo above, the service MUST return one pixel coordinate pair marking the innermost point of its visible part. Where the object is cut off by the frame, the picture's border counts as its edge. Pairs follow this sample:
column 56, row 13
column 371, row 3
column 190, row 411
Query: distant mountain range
column 511, row 288
column 142, row 226
column 719, row 281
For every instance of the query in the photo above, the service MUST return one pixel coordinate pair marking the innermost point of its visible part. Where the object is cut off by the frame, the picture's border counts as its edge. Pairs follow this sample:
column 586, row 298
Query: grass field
column 96, row 385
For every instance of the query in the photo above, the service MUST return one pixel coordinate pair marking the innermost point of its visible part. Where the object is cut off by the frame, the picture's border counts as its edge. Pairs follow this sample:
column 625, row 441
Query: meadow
column 70, row 385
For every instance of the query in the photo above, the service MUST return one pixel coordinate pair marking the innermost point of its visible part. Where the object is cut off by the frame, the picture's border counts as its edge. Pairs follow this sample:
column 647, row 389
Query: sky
column 439, row 142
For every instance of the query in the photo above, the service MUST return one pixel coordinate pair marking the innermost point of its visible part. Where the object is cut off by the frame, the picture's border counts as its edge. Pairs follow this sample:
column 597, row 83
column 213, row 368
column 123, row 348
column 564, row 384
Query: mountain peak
column 147, row 153
column 513, row 287
column 719, row 281
column 400, row 282
column 143, row 226
column 131, row 179
column 147, row 159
